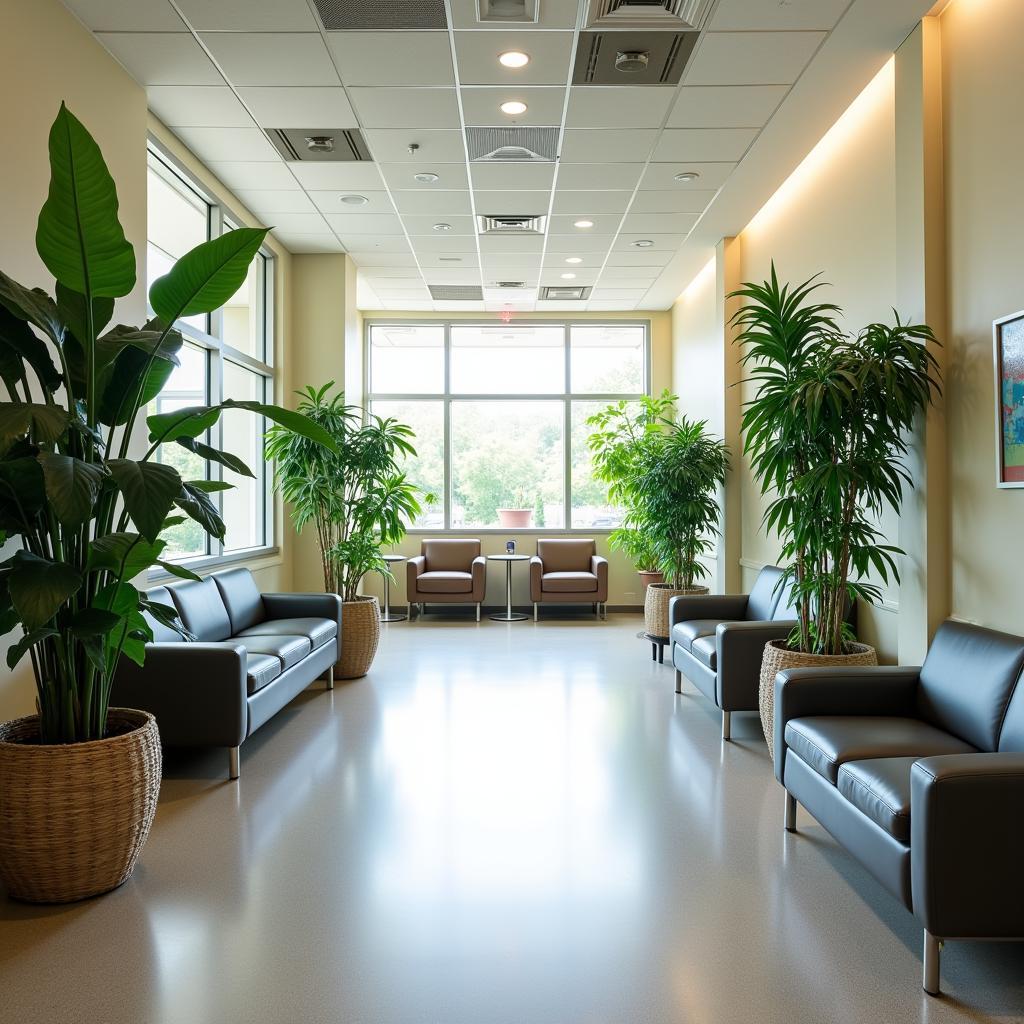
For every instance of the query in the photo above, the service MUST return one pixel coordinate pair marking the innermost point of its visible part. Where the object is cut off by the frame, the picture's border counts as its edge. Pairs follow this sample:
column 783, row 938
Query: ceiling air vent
column 675, row 15
column 456, row 292
column 509, row 285
column 561, row 293
column 337, row 144
column 507, row 12
column 495, row 224
column 381, row 15
column 632, row 58
column 515, row 145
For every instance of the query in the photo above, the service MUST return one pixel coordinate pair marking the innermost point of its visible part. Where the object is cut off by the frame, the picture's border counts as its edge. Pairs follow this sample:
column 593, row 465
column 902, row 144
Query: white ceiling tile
column 704, row 144
column 589, row 262
column 299, row 106
column 249, row 15
column 601, row 175
column 554, row 14
column 661, row 223
column 710, row 175
column 412, row 109
column 596, row 106
column 436, row 276
column 465, row 261
column 261, row 174
column 570, row 244
column 329, row 201
column 424, row 225
column 564, row 224
column 162, row 58
column 426, row 203
column 647, row 274
column 393, row 58
column 734, row 15
column 586, row 204
column 611, row 279
column 549, row 53
column 512, row 204
column 663, row 241
column 726, row 106
column 272, row 58
column 381, row 259
column 297, row 242
column 500, row 245
column 609, row 306
column 390, row 295
column 215, row 144
column 267, row 202
column 583, row 278
column 127, row 15
column 344, row 175
column 443, row 242
column 595, row 145
column 364, row 224
column 639, row 258
column 384, row 243
column 391, row 146
column 511, row 265
column 482, row 105
column 672, row 201
column 626, row 294
column 191, row 106
column 752, row 58
column 459, row 307
column 301, row 224
column 498, row 176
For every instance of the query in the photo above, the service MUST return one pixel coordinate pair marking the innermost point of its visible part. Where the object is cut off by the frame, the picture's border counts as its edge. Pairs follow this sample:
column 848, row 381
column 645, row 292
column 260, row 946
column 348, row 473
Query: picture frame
column 1008, row 362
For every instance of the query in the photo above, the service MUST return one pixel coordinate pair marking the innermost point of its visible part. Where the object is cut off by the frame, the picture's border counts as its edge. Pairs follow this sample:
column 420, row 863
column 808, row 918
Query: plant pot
column 74, row 817
column 647, row 577
column 515, row 518
column 656, row 602
column 778, row 656
column 360, row 634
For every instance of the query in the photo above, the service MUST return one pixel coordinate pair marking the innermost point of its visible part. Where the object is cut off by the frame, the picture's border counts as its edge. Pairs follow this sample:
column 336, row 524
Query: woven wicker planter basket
column 360, row 634
column 74, row 817
column 778, row 657
column 656, row 601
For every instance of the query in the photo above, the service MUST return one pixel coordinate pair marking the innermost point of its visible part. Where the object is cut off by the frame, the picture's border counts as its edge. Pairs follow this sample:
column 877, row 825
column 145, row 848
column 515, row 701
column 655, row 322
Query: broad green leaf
column 191, row 421
column 293, row 421
column 180, row 571
column 133, row 633
column 18, row 651
column 166, row 614
column 72, row 486
column 134, row 377
column 125, row 553
column 72, row 308
column 78, row 235
column 226, row 459
column 149, row 490
column 18, row 345
column 40, row 587
column 211, row 486
column 32, row 305
column 46, row 422
column 94, row 622
column 205, row 278
column 194, row 503
column 22, row 492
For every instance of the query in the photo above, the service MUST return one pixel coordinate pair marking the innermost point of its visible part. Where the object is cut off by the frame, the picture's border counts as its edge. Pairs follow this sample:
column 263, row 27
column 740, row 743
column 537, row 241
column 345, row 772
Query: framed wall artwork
column 1008, row 338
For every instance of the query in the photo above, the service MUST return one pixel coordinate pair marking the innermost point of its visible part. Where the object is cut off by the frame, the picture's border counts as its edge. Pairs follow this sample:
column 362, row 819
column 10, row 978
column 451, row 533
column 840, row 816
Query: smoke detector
column 340, row 144
column 632, row 61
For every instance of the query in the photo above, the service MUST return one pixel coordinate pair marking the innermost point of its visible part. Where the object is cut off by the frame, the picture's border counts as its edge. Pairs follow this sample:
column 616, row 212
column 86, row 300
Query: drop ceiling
column 765, row 79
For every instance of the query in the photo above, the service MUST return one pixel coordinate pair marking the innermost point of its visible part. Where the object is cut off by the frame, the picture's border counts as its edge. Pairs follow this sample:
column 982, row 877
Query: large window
column 227, row 354
column 500, row 415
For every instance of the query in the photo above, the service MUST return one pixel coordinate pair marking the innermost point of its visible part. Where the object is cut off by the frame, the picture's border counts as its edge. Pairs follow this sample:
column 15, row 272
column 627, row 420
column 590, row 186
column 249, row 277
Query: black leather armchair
column 919, row 773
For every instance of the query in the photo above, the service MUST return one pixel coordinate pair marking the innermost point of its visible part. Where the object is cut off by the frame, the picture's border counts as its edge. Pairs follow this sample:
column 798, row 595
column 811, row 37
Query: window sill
column 209, row 563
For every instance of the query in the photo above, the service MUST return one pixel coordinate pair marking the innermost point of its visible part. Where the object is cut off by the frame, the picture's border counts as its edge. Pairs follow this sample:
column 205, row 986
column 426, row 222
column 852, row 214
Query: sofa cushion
column 161, row 634
column 241, row 597
column 566, row 554
column 705, row 650
column 317, row 631
column 260, row 669
column 880, row 788
column 763, row 595
column 450, row 554
column 568, row 582
column 684, row 633
column 202, row 609
column 449, row 582
column 827, row 741
column 289, row 650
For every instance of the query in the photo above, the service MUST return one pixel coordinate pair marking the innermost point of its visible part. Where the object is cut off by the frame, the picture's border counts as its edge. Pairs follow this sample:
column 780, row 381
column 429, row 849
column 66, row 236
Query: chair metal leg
column 330, row 678
column 932, row 952
column 790, row 812
column 534, row 611
column 233, row 771
column 679, row 681
column 478, row 611
column 726, row 725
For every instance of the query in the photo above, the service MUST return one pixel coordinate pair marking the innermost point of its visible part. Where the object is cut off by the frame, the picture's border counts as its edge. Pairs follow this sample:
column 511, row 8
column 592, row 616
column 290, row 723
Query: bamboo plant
column 86, row 509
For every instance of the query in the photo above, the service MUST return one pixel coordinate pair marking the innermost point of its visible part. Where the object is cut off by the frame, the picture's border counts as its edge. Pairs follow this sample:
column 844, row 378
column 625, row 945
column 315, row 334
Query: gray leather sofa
column 252, row 654
column 718, row 640
column 919, row 773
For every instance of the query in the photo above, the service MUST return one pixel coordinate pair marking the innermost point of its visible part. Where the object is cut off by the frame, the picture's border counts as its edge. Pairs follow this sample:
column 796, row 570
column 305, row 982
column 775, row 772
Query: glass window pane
column 607, row 360
column 508, row 360
column 590, row 507
column 242, row 314
column 426, row 470
column 507, row 455
column 244, row 506
column 406, row 360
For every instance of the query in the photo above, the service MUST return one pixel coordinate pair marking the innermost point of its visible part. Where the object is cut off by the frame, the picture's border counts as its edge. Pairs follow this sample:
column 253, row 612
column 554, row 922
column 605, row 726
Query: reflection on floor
column 503, row 824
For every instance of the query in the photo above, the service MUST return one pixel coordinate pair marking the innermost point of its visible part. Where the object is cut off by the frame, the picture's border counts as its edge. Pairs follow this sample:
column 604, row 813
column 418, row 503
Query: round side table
column 386, row 615
column 508, row 615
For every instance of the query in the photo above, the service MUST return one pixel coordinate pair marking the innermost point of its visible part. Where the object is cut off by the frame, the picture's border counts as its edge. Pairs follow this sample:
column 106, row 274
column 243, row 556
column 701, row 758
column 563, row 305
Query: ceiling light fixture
column 642, row 243
column 568, row 277
column 320, row 143
column 582, row 223
column 513, row 107
column 685, row 176
column 574, row 259
column 442, row 227
column 514, row 59
column 354, row 200
column 426, row 177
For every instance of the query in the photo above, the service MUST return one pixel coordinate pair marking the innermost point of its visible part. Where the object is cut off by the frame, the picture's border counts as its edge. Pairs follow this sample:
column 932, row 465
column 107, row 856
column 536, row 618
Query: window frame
column 446, row 397
column 217, row 353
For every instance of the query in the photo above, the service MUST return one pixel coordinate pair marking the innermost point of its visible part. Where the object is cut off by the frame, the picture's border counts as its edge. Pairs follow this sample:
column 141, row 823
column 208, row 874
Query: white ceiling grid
column 221, row 73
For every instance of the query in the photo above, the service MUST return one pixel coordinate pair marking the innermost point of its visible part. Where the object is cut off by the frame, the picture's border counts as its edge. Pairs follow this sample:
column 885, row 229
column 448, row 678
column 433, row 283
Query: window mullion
column 447, row 460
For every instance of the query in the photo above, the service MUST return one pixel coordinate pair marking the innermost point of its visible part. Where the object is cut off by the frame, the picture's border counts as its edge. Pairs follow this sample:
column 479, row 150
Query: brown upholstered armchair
column 568, row 570
column 449, row 571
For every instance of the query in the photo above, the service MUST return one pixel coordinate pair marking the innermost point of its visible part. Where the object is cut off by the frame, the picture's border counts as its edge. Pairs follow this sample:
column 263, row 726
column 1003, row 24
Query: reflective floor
column 502, row 824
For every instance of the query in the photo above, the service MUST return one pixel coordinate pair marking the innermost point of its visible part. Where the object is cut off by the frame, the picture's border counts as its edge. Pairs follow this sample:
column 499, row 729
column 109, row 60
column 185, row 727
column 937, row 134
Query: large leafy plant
column 354, row 494
column 827, row 432
column 87, row 513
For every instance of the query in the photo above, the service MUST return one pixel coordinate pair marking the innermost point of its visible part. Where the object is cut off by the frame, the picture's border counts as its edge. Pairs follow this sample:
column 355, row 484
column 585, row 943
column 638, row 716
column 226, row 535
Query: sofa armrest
column 196, row 691
column 413, row 568
column 479, row 572
column 874, row 690
column 292, row 606
column 740, row 653
column 965, row 842
column 536, row 577
column 706, row 606
column 599, row 567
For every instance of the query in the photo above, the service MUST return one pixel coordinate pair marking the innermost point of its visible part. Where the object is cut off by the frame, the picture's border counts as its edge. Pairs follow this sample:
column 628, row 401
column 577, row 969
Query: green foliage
column 353, row 494
column 68, row 490
column 827, row 433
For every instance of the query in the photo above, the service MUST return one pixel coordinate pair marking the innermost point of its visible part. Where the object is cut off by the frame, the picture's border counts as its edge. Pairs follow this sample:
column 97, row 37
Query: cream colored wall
column 46, row 56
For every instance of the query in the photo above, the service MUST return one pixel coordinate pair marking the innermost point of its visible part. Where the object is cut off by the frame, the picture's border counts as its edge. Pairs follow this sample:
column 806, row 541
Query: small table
column 508, row 615
column 386, row 615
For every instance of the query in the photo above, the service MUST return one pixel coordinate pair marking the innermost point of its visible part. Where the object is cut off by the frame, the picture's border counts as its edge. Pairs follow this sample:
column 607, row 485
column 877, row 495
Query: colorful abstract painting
column 1009, row 337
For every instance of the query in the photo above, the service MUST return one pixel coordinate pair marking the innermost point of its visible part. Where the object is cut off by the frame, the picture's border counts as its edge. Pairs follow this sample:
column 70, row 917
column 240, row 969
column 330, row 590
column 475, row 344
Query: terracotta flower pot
column 647, row 577
column 515, row 518
column 778, row 656
column 74, row 817
column 656, row 602
column 360, row 634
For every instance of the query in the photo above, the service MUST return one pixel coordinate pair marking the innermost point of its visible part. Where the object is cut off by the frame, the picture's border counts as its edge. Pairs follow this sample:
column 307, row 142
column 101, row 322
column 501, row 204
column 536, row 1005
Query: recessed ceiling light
column 354, row 200
column 642, row 243
column 685, row 176
column 582, row 223
column 426, row 177
column 513, row 107
column 574, row 259
column 514, row 59
column 568, row 277
column 442, row 227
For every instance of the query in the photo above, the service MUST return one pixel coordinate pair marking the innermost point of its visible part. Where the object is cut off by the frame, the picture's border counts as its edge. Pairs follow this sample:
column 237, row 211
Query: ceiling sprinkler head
column 320, row 143
column 425, row 177
column 631, row 61
column 414, row 147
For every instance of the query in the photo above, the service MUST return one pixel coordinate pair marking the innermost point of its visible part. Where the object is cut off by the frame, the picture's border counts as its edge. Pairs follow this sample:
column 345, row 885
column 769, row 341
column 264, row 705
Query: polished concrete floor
column 502, row 824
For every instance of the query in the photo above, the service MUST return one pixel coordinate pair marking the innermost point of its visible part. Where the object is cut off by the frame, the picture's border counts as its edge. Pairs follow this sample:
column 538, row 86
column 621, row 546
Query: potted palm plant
column 87, row 500
column 358, row 501
column 827, row 432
